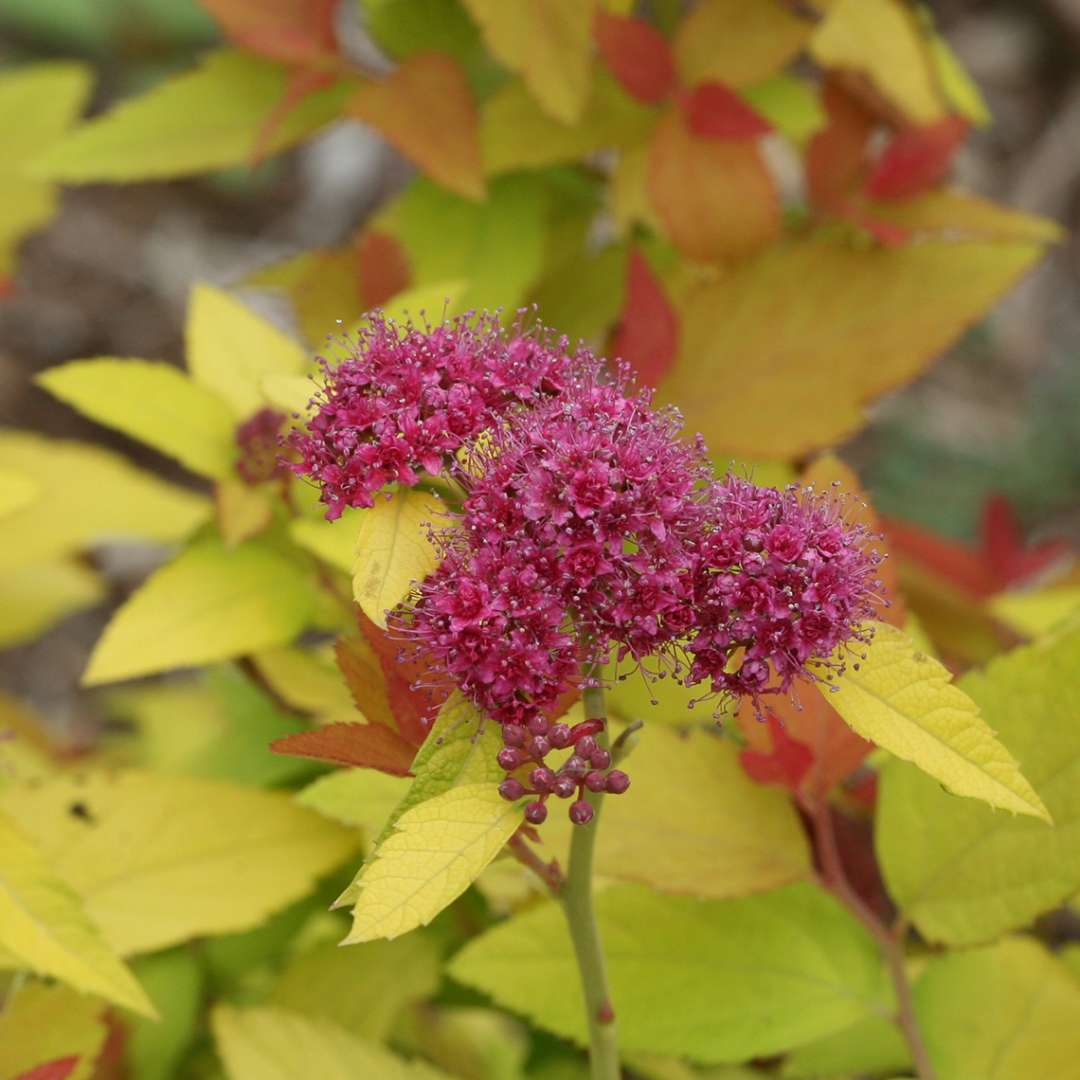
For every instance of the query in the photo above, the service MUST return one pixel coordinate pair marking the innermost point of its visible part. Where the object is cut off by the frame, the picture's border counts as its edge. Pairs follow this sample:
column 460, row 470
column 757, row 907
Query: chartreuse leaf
column 151, row 402
column 87, row 495
column 209, row 603
column 904, row 701
column 161, row 859
column 1004, row 1012
column 43, row 1023
column 1036, row 612
column 208, row 118
column 276, row 1044
column 393, row 551
column 37, row 103
column 364, row 798
column 230, row 350
column 34, row 597
column 961, row 872
column 471, row 1041
column 332, row 541
column 153, row 1049
column 43, row 923
column 873, row 1046
column 436, row 851
column 740, row 978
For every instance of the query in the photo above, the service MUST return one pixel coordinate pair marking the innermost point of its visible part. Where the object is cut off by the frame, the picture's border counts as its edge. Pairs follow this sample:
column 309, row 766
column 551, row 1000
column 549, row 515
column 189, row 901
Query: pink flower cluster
column 408, row 398
column 259, row 441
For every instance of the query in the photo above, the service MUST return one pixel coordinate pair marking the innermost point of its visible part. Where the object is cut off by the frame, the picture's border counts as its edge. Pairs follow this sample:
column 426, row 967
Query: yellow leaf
column 87, row 495
column 293, row 393
column 209, row 603
column 16, row 491
column 151, row 402
column 393, row 551
column 794, row 327
column 208, row 118
column 437, row 850
column 905, row 702
column 737, row 43
column 161, row 859
column 276, row 1044
column 437, row 301
column 959, row 87
column 960, row 215
column 1038, row 611
column 332, row 541
column 547, row 42
column 362, row 798
column 231, row 350
column 34, row 597
column 37, row 103
column 42, row 1023
column 307, row 679
column 880, row 39
column 243, row 511
column 44, row 924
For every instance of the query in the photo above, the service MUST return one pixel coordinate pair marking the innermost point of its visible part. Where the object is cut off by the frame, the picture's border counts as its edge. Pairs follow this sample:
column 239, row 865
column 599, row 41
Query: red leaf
column 916, row 159
column 382, row 268
column 836, row 156
column 787, row 763
column 648, row 333
column 713, row 110
column 369, row 746
column 296, row 31
column 59, row 1069
column 884, row 232
column 1008, row 560
column 637, row 54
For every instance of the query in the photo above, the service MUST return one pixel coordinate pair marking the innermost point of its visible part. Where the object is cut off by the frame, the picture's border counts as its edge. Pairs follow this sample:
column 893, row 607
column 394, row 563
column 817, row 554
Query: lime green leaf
column 438, row 300
column 44, row 924
column 1034, row 612
column 547, row 42
column 1005, row 1012
column 873, row 1046
column 87, row 495
column 904, row 701
column 153, row 1049
column 32, row 598
column 205, row 119
column 364, row 798
column 364, row 989
column 209, row 603
column 161, row 859
column 790, row 104
column 276, row 1044
column 37, row 103
column 151, row 402
column 739, row 978
column 959, row 87
column 961, row 872
column 437, row 850
column 471, row 1041
column 231, row 350
column 392, row 550
column 42, row 1023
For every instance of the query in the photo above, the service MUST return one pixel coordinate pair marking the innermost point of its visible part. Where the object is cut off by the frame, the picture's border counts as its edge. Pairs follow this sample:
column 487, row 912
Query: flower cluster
column 258, row 439
column 407, row 399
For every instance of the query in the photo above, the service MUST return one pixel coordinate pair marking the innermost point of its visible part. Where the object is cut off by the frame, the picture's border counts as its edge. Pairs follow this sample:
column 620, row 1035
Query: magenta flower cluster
column 407, row 399
column 589, row 533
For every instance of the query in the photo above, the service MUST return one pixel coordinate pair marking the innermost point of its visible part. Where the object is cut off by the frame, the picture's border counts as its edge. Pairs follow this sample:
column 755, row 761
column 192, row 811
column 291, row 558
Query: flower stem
column 577, row 902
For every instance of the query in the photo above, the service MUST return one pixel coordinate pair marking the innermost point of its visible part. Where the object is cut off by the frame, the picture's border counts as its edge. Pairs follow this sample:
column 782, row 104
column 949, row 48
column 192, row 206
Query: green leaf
column 87, row 495
column 392, row 550
column 205, row 119
column 276, row 1044
column 873, row 1046
column 209, row 603
column 962, row 873
column 715, row 981
column 790, row 104
column 43, row 1023
column 151, row 402
column 1005, row 1012
column 230, row 350
column 161, row 859
column 43, row 923
column 904, row 701
column 154, row 1049
column 33, row 598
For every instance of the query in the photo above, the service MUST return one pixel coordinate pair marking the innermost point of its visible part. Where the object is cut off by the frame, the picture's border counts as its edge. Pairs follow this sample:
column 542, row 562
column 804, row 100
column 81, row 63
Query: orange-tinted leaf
column 715, row 197
column 300, row 84
column 836, row 156
column 916, row 159
column 648, row 333
column 425, row 109
column 382, row 268
column 367, row 746
column 739, row 41
column 712, row 109
column 786, row 763
column 60, row 1069
column 809, row 330
column 637, row 54
column 296, row 31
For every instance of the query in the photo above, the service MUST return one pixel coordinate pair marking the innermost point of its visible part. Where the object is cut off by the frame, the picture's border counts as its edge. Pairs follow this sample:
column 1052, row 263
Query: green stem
column 577, row 902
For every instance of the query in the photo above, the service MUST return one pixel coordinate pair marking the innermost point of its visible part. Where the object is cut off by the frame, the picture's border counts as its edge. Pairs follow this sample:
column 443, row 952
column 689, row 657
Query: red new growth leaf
column 295, row 31
column 382, row 268
column 916, row 159
column 60, row 1069
column 787, row 763
column 648, row 333
column 713, row 110
column 368, row 746
column 637, row 54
